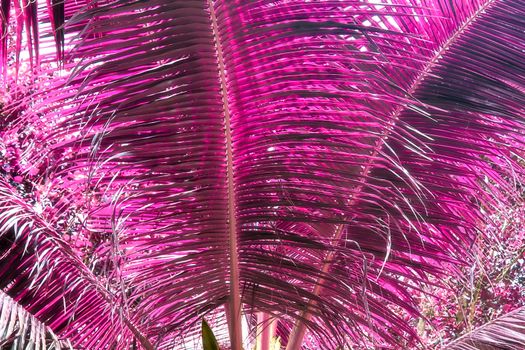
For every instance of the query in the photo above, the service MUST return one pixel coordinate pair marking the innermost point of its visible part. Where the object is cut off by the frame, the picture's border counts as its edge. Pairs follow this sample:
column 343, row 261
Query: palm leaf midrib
column 381, row 140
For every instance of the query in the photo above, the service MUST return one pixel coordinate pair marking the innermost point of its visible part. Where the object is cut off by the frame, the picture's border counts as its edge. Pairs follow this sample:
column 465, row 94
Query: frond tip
column 21, row 330
column 208, row 338
column 506, row 332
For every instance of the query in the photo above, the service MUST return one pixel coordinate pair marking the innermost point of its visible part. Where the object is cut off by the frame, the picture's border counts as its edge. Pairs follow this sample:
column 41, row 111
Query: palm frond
column 43, row 273
column 506, row 332
column 313, row 161
column 21, row 330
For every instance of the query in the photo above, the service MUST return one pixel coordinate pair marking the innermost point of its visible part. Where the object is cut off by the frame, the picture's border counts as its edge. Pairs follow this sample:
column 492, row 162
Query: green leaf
column 208, row 339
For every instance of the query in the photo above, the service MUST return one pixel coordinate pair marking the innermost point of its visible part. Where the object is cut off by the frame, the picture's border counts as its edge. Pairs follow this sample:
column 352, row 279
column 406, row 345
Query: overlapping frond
column 342, row 121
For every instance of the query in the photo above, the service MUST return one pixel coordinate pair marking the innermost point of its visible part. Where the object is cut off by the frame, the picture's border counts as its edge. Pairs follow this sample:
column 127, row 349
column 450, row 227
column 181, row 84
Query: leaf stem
column 266, row 328
column 235, row 299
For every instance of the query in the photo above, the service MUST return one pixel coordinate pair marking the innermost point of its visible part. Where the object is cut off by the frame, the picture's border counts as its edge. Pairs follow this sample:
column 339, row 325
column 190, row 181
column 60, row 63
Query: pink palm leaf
column 313, row 161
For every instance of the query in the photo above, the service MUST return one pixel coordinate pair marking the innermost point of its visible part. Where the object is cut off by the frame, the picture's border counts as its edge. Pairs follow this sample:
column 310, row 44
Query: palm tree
column 283, row 168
